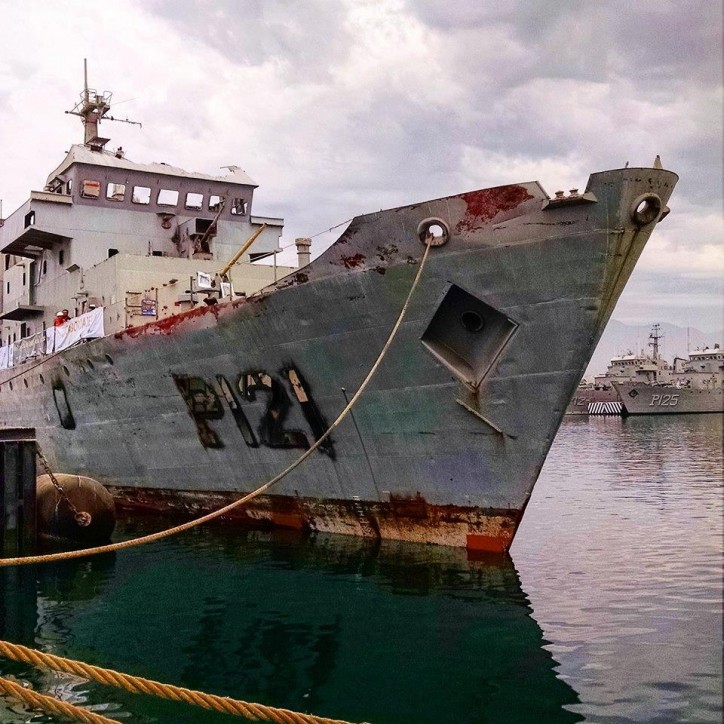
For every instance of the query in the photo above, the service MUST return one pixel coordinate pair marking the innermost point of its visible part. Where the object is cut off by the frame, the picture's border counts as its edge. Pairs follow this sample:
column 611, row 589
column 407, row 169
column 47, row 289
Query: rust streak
column 404, row 517
column 353, row 261
column 482, row 206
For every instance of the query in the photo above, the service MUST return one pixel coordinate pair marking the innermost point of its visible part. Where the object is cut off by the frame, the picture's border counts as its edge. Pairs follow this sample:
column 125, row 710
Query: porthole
column 472, row 321
column 42, row 379
column 433, row 231
column 109, row 359
column 25, row 381
column 90, row 364
column 645, row 209
column 66, row 370
column 11, row 386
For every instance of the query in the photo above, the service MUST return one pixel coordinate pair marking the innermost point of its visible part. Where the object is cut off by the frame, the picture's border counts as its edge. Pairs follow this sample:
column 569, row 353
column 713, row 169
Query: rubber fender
column 55, row 518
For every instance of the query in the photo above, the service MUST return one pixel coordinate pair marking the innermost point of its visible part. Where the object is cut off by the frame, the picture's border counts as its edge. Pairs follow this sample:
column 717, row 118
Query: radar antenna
column 92, row 108
column 654, row 338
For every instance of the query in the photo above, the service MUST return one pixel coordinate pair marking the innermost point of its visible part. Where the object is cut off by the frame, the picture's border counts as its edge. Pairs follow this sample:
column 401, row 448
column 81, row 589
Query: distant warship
column 638, row 384
column 187, row 375
column 694, row 385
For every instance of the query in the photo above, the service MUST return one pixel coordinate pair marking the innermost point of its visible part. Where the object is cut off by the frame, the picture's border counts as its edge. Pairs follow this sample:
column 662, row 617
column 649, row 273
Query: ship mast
column 654, row 338
column 92, row 108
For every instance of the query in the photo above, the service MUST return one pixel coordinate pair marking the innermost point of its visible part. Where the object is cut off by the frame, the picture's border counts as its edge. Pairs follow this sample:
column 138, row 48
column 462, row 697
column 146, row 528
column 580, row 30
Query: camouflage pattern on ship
column 219, row 391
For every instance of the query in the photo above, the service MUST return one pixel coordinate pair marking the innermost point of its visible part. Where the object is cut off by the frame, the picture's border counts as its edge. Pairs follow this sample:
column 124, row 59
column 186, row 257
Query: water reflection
column 334, row 626
column 620, row 553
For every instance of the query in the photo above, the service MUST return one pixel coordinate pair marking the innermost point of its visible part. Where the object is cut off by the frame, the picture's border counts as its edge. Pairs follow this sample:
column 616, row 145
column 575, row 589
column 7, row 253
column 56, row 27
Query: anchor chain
column 82, row 518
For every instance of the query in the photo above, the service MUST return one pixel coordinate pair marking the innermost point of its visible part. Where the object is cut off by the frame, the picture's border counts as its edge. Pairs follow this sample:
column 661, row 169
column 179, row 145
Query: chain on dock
column 138, row 685
column 51, row 705
column 65, row 555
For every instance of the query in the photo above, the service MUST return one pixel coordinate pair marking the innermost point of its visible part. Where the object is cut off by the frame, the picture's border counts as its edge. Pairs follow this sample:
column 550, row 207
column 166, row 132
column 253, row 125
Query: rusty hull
column 445, row 446
column 410, row 519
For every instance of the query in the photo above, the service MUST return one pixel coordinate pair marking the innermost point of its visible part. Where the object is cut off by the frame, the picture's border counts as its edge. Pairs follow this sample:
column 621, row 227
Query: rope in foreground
column 65, row 555
column 138, row 685
column 50, row 704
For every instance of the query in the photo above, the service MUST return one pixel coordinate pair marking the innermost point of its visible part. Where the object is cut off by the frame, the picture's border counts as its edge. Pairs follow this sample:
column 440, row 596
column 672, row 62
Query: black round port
column 472, row 321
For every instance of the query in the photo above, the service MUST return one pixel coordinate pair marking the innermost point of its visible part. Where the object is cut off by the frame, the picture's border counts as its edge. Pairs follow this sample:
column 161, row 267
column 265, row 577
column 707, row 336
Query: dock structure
column 17, row 491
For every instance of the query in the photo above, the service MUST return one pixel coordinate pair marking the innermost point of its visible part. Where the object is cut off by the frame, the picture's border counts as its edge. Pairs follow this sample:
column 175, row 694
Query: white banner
column 28, row 348
column 6, row 357
column 86, row 326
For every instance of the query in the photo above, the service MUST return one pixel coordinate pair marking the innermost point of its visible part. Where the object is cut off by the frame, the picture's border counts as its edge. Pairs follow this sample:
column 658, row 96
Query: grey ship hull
column 583, row 399
column 447, row 443
column 640, row 399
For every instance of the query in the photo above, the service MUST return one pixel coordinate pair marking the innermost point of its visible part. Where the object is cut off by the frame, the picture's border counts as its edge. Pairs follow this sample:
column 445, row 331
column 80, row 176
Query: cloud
column 337, row 109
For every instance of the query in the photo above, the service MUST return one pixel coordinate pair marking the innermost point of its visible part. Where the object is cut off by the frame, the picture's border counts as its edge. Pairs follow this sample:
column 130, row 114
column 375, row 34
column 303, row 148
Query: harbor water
column 609, row 608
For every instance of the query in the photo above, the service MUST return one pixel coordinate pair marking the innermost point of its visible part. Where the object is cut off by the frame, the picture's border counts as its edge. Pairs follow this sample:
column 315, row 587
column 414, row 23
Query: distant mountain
column 620, row 338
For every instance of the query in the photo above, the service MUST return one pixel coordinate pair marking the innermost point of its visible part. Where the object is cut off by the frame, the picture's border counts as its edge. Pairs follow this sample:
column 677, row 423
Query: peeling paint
column 482, row 206
column 402, row 518
column 353, row 261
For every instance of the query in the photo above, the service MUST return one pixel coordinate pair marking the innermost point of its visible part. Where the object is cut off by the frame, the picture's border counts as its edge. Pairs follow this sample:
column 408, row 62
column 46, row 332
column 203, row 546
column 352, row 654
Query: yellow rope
column 51, row 705
column 64, row 555
column 138, row 685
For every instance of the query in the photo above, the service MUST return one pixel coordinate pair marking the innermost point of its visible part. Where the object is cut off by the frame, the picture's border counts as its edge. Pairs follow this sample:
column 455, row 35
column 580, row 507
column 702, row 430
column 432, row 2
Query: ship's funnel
column 304, row 255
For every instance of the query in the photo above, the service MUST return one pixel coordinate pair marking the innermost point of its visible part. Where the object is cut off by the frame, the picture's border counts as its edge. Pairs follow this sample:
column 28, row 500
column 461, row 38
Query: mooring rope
column 139, row 685
column 65, row 555
column 51, row 705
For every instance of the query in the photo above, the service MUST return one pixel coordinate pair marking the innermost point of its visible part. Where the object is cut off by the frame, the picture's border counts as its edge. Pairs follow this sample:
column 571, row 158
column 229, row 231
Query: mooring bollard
column 17, row 491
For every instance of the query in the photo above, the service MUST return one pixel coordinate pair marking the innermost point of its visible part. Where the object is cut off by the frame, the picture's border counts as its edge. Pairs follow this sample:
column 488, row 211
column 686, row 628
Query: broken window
column 90, row 189
column 238, row 207
column 194, row 201
column 167, row 197
column 115, row 192
column 215, row 202
column 141, row 195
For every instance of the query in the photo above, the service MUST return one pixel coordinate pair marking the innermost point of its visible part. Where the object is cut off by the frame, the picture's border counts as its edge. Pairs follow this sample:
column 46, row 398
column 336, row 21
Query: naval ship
column 646, row 384
column 149, row 349
column 601, row 398
column 695, row 385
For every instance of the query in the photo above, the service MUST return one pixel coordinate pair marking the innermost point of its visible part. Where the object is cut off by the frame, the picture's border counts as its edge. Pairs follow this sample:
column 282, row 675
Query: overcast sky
column 337, row 108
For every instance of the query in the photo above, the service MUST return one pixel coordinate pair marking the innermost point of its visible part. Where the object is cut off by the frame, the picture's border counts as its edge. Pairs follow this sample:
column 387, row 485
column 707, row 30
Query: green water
column 609, row 609
column 331, row 626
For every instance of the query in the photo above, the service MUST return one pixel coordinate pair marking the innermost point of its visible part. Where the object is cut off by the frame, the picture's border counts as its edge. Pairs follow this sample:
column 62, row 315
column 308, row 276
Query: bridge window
column 90, row 189
column 115, row 192
column 215, row 202
column 167, row 197
column 238, row 207
column 141, row 195
column 194, row 201
column 29, row 219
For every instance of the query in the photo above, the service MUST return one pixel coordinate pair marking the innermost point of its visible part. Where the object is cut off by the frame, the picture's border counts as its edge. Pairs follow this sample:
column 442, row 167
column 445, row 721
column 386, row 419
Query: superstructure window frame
column 238, row 207
column 164, row 195
column 143, row 200
column 115, row 191
column 216, row 201
column 90, row 189
column 191, row 201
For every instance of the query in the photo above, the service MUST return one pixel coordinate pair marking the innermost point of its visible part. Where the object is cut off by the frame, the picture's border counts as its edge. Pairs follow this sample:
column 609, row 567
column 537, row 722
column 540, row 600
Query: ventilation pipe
column 304, row 256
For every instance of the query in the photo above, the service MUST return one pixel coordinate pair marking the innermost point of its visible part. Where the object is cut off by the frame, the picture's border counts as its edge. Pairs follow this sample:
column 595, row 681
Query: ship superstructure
column 132, row 238
column 648, row 384
column 185, row 408
column 638, row 367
